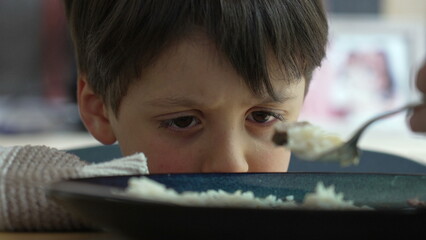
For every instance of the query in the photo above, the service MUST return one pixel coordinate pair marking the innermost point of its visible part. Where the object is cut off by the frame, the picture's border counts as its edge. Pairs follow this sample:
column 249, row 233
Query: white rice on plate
column 322, row 198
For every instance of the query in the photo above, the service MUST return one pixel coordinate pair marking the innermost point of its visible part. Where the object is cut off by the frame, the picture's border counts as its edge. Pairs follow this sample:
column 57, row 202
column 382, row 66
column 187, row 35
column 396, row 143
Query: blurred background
column 375, row 49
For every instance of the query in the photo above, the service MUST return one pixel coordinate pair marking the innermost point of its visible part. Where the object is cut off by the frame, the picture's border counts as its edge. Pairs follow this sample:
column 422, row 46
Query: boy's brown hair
column 115, row 40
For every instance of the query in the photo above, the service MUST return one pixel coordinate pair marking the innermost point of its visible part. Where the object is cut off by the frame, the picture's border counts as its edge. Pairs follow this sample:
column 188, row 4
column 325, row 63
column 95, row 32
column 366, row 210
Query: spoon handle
column 359, row 132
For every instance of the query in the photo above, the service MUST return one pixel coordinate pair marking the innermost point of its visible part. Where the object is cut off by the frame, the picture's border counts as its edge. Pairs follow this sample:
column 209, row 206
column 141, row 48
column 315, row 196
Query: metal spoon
column 348, row 152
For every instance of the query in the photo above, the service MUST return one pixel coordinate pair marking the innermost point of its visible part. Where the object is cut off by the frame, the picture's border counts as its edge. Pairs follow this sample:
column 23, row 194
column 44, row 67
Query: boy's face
column 191, row 112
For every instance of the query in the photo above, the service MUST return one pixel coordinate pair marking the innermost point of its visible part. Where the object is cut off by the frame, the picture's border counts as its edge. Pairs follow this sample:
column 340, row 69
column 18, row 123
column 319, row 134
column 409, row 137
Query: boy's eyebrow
column 172, row 101
column 280, row 98
column 184, row 101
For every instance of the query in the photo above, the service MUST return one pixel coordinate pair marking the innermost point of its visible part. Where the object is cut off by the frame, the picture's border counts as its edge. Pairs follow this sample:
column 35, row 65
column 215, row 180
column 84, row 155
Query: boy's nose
column 226, row 153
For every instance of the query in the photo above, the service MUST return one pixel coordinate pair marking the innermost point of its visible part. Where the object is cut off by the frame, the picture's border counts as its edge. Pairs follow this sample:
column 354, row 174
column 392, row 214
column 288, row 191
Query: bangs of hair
column 116, row 40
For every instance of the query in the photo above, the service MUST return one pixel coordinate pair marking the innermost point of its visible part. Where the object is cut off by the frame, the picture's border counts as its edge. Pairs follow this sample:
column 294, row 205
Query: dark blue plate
column 93, row 200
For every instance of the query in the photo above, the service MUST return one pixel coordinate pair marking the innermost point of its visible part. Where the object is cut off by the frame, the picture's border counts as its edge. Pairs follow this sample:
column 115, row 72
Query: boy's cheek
column 168, row 164
column 166, row 157
column 164, row 160
column 275, row 159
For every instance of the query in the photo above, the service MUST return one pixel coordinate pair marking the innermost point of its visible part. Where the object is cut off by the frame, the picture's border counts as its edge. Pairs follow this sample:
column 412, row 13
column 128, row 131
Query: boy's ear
column 93, row 112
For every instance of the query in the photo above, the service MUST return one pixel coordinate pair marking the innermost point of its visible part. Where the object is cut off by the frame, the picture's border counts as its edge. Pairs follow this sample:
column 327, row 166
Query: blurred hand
column 418, row 118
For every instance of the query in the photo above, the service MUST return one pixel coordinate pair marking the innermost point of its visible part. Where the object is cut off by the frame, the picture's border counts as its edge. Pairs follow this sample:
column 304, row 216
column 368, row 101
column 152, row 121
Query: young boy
column 195, row 85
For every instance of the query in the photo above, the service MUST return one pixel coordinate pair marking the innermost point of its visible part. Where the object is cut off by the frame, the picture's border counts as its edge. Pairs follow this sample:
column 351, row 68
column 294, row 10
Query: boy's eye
column 180, row 122
column 261, row 117
column 183, row 122
column 264, row 116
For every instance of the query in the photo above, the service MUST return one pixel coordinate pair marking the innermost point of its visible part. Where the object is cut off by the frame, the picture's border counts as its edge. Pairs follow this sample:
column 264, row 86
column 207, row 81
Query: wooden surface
column 58, row 236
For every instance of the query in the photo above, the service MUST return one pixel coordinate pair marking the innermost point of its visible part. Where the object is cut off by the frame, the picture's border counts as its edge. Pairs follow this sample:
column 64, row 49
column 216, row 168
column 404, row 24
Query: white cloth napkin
column 26, row 170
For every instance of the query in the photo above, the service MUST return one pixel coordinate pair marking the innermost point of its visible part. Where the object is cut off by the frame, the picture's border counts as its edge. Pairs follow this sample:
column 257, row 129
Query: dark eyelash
column 276, row 115
column 169, row 122
column 165, row 123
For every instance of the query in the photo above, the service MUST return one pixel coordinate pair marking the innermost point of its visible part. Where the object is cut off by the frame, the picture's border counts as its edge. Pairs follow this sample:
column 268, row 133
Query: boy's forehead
column 196, row 58
column 195, row 44
column 198, row 46
column 168, row 98
column 198, row 43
